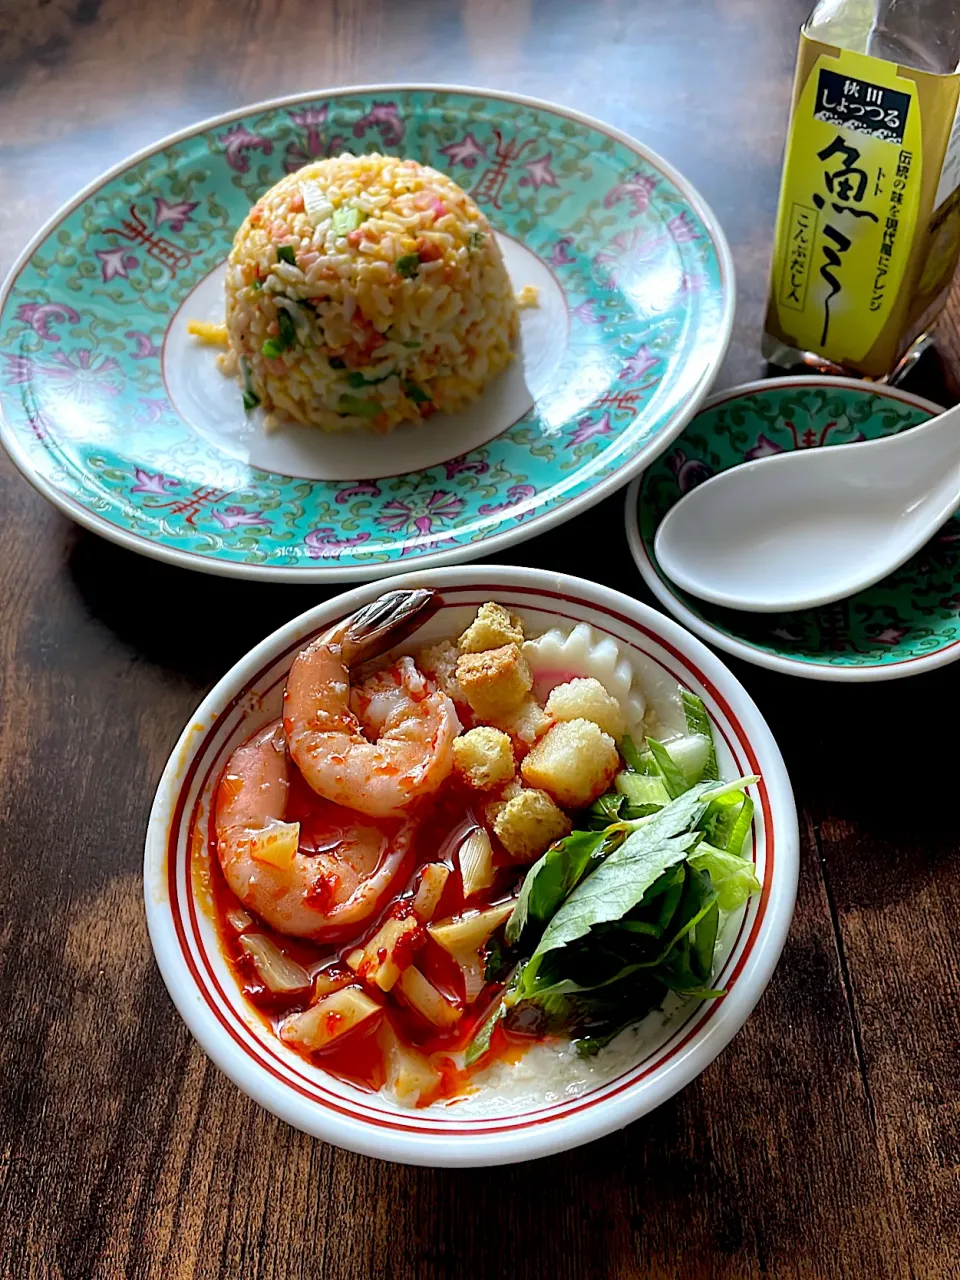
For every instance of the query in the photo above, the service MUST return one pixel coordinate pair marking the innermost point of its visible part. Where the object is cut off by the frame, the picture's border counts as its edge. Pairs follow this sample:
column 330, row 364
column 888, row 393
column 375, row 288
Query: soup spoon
column 805, row 528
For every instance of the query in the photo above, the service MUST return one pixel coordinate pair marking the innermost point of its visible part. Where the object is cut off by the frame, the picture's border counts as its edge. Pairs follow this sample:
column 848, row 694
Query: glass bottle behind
column 868, row 228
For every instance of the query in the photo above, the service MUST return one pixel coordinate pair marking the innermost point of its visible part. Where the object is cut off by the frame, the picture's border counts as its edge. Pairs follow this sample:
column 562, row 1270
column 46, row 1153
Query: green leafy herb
column 643, row 790
column 346, row 219
column 286, row 253
column 415, row 393
column 498, row 961
column 408, row 264
column 480, row 1043
column 630, row 753
column 734, row 878
column 698, row 722
column 551, row 879
column 356, row 407
column 620, row 881
column 674, row 779
column 605, row 811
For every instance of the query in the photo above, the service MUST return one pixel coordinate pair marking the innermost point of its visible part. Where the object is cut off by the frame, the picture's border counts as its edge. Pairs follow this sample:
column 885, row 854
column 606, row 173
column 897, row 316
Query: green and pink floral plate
column 905, row 624
column 122, row 420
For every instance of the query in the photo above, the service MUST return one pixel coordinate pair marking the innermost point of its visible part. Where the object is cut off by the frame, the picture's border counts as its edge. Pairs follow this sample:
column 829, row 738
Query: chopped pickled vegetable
column 346, row 219
column 408, row 264
column 286, row 253
column 359, row 408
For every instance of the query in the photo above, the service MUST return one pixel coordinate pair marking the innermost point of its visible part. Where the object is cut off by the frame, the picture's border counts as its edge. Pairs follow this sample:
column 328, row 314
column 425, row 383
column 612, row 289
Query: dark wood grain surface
column 824, row 1142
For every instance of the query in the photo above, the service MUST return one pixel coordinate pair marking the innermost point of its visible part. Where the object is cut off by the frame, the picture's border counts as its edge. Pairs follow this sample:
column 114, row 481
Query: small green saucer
column 907, row 623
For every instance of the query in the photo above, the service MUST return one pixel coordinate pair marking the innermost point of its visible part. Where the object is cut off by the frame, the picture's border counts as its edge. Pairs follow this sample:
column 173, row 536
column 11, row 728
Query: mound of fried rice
column 366, row 291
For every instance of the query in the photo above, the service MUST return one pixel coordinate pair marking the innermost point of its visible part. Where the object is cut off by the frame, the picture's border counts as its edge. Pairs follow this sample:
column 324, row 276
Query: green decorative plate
column 905, row 624
column 115, row 414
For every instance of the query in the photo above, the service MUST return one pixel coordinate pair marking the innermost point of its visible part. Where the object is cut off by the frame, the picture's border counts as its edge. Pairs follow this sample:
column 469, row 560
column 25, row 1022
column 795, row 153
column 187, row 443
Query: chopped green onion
column 408, row 264
column 415, row 393
column 256, row 286
column 358, row 380
column 345, row 219
column 476, row 240
column 288, row 330
column 250, row 397
column 359, row 408
column 286, row 254
column 286, row 338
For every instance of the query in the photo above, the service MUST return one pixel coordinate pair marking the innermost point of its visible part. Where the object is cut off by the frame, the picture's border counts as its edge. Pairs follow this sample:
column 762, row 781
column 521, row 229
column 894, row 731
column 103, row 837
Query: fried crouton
column 439, row 662
column 483, row 757
column 492, row 628
column 528, row 823
column 575, row 762
column 495, row 681
column 587, row 699
column 527, row 722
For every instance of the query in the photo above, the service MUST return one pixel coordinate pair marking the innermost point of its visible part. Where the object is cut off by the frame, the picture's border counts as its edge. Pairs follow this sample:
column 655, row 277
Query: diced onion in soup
column 277, row 972
column 424, row 997
column 433, row 877
column 464, row 939
column 476, row 862
column 238, row 920
column 328, row 1019
column 409, row 1075
column 277, row 844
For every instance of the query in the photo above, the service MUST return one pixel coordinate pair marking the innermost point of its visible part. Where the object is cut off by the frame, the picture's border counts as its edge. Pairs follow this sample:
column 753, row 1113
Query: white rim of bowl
column 740, row 648
column 352, row 573
column 564, row 1131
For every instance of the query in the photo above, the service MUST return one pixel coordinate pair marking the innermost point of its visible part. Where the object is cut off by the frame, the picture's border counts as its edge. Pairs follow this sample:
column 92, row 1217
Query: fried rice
column 366, row 291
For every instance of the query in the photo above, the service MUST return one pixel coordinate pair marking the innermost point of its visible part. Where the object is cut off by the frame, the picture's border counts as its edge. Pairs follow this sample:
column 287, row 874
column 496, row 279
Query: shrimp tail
column 385, row 622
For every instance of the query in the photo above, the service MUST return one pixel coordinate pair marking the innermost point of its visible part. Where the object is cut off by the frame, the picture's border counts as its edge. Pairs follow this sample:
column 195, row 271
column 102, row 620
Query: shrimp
column 409, row 753
column 310, row 878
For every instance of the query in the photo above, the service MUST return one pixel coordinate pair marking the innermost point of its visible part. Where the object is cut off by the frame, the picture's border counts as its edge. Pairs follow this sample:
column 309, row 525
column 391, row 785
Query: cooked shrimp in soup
column 383, row 746
column 303, row 882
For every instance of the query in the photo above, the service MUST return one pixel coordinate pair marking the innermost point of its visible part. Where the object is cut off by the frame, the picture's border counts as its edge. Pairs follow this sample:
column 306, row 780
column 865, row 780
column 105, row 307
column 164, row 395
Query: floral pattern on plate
column 911, row 615
column 86, row 414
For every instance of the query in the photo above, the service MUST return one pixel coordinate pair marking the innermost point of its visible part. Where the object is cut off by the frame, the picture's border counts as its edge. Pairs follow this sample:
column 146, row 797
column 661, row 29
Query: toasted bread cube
column 527, row 722
column 528, row 823
column 439, row 662
column 587, row 699
column 483, row 757
column 494, row 682
column 492, row 628
column 575, row 762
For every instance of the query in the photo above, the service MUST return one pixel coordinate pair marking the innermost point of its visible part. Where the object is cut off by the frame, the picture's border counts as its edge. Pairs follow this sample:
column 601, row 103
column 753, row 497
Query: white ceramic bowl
column 210, row 1002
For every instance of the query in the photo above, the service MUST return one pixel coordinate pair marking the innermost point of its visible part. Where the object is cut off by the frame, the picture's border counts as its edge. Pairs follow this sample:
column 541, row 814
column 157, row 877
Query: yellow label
column 849, row 205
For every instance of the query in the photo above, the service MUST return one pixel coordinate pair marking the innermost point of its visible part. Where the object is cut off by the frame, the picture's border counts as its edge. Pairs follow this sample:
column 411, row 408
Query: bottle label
column 849, row 205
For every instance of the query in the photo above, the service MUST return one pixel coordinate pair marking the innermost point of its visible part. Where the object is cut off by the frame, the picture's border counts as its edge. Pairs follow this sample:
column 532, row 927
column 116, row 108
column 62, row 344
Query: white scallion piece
column 476, row 862
column 433, row 877
column 328, row 1019
column 278, row 972
column 423, row 996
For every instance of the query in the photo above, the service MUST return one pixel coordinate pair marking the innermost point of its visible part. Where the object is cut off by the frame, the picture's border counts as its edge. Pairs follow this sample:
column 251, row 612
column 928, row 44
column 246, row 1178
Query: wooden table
column 825, row 1140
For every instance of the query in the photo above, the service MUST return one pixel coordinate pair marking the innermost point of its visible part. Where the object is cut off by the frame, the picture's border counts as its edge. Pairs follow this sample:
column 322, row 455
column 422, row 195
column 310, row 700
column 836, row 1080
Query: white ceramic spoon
column 801, row 529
